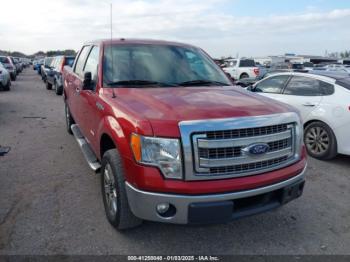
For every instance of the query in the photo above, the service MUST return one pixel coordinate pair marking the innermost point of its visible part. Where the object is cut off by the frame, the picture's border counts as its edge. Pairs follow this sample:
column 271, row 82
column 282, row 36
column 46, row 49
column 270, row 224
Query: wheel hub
column 317, row 140
column 110, row 190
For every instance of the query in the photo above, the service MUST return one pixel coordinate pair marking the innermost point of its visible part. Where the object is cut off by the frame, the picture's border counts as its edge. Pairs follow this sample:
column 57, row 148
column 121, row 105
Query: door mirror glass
column 87, row 82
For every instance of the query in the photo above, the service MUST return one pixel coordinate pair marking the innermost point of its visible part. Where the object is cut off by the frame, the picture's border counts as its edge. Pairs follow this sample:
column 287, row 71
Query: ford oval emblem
column 257, row 149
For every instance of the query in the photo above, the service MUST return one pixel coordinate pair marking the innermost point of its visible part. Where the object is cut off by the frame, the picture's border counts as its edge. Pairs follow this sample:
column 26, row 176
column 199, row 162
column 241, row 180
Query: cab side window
column 81, row 61
column 92, row 63
column 272, row 85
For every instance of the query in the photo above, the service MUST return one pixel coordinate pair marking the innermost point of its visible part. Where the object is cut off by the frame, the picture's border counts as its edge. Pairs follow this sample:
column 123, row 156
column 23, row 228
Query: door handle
column 309, row 104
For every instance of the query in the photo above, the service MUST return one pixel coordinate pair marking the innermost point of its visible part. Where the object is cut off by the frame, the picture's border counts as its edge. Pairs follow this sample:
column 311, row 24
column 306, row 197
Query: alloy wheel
column 317, row 140
column 110, row 190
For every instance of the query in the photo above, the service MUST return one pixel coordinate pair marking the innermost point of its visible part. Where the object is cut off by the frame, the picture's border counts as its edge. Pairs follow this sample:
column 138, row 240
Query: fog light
column 162, row 208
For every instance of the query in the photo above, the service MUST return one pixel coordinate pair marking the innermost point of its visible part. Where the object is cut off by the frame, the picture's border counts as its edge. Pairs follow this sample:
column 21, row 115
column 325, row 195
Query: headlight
column 164, row 153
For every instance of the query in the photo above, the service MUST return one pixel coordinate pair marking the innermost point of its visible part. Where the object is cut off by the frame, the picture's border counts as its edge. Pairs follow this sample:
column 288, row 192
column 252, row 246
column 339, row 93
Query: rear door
column 75, row 84
column 304, row 93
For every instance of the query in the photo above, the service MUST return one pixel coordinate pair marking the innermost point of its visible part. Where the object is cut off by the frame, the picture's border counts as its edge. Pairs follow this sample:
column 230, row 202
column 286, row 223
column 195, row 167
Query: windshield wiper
column 138, row 83
column 201, row 83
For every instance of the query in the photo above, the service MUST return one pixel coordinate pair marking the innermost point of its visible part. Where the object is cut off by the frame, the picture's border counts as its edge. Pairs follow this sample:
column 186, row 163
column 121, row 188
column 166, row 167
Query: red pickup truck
column 173, row 140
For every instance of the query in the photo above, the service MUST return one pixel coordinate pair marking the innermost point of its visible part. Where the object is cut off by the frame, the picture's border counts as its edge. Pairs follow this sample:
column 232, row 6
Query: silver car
column 5, row 80
column 10, row 66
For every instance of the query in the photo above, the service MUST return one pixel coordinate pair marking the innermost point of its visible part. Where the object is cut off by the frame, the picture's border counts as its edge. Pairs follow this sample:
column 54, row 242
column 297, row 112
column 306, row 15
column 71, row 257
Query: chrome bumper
column 143, row 204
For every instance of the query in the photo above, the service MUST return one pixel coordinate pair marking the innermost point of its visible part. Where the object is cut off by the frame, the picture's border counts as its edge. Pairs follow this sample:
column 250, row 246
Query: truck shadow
column 263, row 231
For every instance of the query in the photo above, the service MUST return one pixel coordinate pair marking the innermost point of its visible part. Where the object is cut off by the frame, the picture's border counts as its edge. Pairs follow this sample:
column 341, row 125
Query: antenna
column 111, row 48
column 111, row 16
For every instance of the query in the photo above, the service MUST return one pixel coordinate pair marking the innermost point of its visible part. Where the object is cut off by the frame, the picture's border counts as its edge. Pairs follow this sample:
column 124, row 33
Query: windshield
column 48, row 61
column 4, row 60
column 140, row 64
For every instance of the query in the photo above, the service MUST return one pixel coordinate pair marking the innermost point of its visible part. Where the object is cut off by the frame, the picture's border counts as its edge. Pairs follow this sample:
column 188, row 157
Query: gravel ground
column 50, row 202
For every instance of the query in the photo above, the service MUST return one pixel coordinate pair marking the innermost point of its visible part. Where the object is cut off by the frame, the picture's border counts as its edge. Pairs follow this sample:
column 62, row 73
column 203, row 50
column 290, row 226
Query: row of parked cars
column 51, row 68
column 10, row 67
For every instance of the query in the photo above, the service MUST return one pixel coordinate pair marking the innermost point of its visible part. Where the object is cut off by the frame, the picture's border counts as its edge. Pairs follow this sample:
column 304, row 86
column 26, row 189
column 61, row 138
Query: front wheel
column 58, row 89
column 48, row 85
column 114, row 194
column 320, row 141
column 8, row 86
column 69, row 119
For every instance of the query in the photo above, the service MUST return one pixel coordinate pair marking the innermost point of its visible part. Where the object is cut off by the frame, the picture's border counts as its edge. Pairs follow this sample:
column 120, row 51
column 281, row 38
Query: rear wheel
column 244, row 75
column 114, row 194
column 320, row 141
column 13, row 77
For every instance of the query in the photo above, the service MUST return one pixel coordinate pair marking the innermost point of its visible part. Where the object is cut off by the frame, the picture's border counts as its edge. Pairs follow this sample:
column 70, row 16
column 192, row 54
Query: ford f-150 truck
column 173, row 140
column 241, row 68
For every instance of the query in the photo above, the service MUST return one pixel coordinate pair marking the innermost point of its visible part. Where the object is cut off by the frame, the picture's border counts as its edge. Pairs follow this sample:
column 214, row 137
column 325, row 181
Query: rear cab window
column 247, row 63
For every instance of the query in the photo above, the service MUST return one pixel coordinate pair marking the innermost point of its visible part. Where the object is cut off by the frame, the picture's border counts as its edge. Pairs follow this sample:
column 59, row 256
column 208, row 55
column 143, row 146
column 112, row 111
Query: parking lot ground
column 50, row 202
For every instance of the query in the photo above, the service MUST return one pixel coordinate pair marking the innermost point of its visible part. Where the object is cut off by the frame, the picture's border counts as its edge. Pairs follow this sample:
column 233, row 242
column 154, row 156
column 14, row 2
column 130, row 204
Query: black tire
column 69, row 119
column 121, row 218
column 13, row 77
column 8, row 86
column 320, row 141
column 58, row 89
column 48, row 85
column 244, row 75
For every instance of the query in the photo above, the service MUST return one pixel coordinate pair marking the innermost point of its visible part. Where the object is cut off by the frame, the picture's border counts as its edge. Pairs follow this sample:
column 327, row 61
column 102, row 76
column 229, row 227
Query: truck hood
column 168, row 106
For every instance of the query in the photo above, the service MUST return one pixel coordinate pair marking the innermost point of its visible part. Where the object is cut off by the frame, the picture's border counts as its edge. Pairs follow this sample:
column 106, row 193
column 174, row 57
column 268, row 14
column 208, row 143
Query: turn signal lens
column 136, row 146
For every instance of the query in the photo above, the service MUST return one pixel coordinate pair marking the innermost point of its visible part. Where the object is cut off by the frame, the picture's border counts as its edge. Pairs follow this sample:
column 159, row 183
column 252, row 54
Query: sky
column 221, row 27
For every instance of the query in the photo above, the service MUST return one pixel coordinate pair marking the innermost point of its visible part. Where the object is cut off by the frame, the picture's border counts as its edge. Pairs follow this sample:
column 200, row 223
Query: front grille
column 247, row 132
column 248, row 167
column 229, row 152
column 226, row 152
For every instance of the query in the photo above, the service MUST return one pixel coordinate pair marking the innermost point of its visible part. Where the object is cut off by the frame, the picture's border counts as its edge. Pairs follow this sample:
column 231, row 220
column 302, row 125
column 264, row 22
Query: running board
column 89, row 155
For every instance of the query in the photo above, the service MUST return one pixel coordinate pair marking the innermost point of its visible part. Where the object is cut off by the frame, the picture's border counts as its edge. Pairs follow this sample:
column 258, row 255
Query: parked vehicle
column 174, row 141
column 241, row 68
column 18, row 64
column 308, row 66
column 10, row 66
column 323, row 101
column 54, row 76
column 38, row 65
column 337, row 68
column 45, row 68
column 5, row 79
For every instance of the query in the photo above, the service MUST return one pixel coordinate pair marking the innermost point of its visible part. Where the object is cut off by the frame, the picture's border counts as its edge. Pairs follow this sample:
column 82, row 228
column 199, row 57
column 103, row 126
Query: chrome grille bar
column 205, row 143
column 207, row 163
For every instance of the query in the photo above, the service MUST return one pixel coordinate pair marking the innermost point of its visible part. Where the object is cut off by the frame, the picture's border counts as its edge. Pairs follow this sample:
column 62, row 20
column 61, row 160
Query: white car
column 241, row 68
column 323, row 100
column 5, row 79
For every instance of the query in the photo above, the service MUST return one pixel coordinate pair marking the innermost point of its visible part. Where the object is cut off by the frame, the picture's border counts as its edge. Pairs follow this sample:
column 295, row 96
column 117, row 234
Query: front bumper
column 214, row 208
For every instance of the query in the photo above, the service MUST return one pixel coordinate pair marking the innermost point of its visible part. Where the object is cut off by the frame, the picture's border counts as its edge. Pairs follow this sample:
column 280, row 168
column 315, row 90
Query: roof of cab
column 135, row 41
